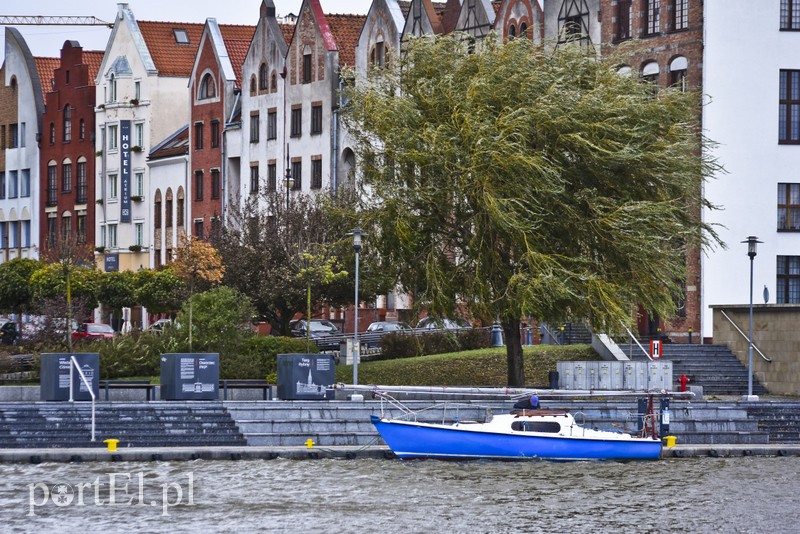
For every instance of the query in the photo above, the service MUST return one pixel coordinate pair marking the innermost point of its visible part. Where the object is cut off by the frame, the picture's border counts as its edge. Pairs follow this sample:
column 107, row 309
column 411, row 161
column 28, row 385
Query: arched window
column 179, row 213
column 82, row 130
column 273, row 82
column 262, row 78
column 157, row 210
column 512, row 32
column 112, row 88
column 523, row 31
column 52, row 133
column 253, row 88
column 207, row 87
column 168, row 210
column 677, row 73
column 67, row 124
column 650, row 72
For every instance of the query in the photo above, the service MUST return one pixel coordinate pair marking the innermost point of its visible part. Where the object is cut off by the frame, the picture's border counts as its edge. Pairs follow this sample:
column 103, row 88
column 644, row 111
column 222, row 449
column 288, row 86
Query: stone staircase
column 154, row 424
column 714, row 367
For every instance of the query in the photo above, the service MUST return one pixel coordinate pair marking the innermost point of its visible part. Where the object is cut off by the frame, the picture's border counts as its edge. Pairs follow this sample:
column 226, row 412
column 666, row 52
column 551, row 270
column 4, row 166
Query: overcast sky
column 48, row 40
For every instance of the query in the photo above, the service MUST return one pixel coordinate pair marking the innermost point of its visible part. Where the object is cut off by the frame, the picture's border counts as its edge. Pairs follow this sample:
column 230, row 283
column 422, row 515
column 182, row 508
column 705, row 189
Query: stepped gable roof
column 172, row 58
column 346, row 29
column 46, row 67
column 176, row 144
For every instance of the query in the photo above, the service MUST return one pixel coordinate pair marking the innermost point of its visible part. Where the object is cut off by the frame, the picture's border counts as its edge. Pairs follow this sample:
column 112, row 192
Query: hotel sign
column 125, row 171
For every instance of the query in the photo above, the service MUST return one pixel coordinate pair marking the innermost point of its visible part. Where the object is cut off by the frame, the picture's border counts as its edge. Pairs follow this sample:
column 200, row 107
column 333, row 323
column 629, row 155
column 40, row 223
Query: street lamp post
column 752, row 242
column 356, row 233
column 288, row 180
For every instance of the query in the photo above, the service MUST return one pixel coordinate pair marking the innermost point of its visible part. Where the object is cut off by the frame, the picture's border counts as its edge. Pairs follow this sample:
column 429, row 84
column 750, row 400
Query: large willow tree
column 515, row 181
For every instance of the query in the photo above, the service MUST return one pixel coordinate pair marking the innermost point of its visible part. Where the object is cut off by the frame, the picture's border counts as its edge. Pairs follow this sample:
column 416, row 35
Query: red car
column 93, row 331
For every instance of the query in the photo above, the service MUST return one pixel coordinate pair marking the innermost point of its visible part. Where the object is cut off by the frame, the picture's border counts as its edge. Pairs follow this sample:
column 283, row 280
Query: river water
column 749, row 494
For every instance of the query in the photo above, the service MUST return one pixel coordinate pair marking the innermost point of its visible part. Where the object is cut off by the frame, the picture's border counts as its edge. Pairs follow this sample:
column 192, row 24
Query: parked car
column 9, row 334
column 431, row 323
column 92, row 331
column 384, row 327
column 324, row 333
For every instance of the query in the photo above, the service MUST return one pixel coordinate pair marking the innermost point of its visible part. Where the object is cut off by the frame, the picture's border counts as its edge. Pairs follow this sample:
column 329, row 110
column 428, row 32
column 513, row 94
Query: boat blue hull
column 409, row 440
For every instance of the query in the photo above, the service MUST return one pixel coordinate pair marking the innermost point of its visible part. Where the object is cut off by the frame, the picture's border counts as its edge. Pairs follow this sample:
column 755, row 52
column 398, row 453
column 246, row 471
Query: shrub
column 439, row 342
column 257, row 357
column 474, row 338
column 397, row 345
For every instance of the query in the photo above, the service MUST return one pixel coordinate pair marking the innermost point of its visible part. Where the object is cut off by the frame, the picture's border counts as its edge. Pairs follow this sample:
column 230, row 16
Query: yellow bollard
column 112, row 444
column 670, row 441
column 310, row 443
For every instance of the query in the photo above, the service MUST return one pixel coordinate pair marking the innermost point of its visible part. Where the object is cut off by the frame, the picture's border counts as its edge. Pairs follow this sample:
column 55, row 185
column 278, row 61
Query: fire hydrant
column 683, row 381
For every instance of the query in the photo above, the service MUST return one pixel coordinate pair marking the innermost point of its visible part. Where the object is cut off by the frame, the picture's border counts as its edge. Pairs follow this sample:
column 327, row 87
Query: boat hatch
column 536, row 426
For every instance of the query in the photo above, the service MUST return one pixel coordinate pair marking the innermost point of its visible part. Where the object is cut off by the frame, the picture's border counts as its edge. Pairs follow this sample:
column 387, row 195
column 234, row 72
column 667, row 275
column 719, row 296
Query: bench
column 245, row 384
column 130, row 384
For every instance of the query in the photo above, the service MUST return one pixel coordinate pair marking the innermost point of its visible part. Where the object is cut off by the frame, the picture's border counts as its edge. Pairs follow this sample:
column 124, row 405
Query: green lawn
column 484, row 367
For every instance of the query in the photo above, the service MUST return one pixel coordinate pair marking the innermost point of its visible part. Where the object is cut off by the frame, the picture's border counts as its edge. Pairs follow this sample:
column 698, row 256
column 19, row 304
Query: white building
column 752, row 112
column 19, row 165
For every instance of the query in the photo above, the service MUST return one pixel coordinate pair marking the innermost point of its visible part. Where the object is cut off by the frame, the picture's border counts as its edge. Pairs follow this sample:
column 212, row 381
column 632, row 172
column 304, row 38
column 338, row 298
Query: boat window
column 536, row 426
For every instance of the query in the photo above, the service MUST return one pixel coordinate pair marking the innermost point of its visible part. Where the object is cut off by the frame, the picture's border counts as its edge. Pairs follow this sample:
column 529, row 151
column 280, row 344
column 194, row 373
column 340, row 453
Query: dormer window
column 181, row 37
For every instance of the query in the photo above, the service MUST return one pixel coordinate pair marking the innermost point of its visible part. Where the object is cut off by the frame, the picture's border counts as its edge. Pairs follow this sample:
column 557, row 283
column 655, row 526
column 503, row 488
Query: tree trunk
column 516, row 367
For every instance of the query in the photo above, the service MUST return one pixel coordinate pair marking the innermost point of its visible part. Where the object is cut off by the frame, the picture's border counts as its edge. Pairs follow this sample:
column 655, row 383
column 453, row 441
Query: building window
column 66, row 226
column 272, row 177
column 181, row 36
column 254, row 126
column 168, row 210
column 51, row 232
column 25, row 183
column 82, row 192
column 139, row 234
column 273, row 82
column 67, row 124
column 80, row 228
column 306, row 68
column 137, row 90
column 198, row 229
column 198, row 185
column 2, row 185
column 112, row 236
column 52, row 133
column 297, row 122
column 316, row 119
column 789, row 107
column 112, row 88
column 573, row 22
column 680, row 15
column 316, row 174
column 790, row 14
column 138, row 184
column 623, row 27
column 180, row 214
column 157, row 211
column 198, row 136
column 66, row 177
column 788, row 280
column 272, row 124
column 112, row 186
column 215, row 184
column 139, row 133
column 82, row 130
column 262, row 78
column 254, row 179
column 677, row 73
column 788, row 206
column 253, row 87
column 207, row 87
column 214, row 134
column 13, row 185
column 112, row 137
column 652, row 8
column 650, row 72
column 297, row 174
column 52, row 185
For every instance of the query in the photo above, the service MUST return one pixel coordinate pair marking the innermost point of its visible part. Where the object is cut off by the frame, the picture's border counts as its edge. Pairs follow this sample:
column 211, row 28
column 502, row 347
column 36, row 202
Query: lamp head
column 752, row 244
column 357, row 233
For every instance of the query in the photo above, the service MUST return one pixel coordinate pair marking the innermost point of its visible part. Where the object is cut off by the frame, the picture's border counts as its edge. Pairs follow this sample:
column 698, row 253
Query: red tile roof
column 288, row 32
column 174, row 59
column 46, row 66
column 237, row 51
column 346, row 30
column 93, row 58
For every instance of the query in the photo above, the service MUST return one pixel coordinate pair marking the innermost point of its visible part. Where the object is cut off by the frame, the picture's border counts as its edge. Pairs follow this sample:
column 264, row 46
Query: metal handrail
column 745, row 336
column 74, row 364
column 552, row 336
column 637, row 343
